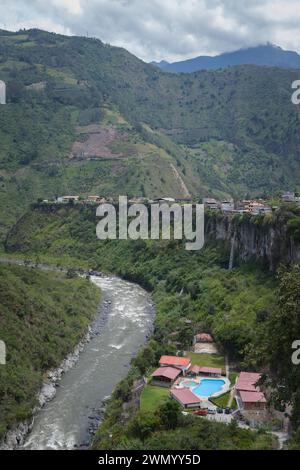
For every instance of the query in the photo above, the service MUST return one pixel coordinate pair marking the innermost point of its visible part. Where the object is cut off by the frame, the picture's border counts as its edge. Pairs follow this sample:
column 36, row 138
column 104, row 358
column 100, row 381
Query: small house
column 193, row 371
column 288, row 197
column 227, row 206
column 210, row 371
column 186, row 398
column 248, row 394
column 251, row 401
column 165, row 376
column 182, row 363
column 203, row 338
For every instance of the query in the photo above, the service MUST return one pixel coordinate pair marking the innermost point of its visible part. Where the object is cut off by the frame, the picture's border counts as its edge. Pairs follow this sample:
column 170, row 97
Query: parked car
column 200, row 412
column 227, row 410
column 211, row 411
column 220, row 410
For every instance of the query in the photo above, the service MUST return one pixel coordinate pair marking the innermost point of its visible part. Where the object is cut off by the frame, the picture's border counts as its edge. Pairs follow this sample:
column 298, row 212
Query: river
column 124, row 321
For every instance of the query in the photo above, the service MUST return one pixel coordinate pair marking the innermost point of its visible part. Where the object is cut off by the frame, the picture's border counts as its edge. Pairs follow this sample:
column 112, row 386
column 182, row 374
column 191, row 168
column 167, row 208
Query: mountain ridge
column 86, row 118
column 268, row 55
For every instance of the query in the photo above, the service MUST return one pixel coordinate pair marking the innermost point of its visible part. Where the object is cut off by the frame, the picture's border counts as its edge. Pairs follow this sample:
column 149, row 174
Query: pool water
column 208, row 387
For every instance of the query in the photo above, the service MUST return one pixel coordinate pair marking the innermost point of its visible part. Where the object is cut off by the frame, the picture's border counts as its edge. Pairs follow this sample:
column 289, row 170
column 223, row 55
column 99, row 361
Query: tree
column 282, row 330
column 169, row 414
column 143, row 425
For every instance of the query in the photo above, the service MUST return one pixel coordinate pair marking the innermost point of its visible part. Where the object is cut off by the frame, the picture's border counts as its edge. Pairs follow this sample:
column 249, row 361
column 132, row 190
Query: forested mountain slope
column 85, row 117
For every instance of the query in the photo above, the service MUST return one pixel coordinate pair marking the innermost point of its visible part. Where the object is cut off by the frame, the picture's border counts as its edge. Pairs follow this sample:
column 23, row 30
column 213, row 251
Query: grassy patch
column 232, row 377
column 207, row 360
column 222, row 401
column 152, row 397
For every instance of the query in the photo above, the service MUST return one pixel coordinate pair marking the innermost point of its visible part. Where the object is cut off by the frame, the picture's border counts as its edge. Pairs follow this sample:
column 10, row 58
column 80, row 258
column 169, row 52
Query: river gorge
column 122, row 325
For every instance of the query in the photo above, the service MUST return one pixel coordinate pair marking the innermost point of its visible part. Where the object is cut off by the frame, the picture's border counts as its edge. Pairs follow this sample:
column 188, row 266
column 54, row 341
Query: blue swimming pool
column 208, row 387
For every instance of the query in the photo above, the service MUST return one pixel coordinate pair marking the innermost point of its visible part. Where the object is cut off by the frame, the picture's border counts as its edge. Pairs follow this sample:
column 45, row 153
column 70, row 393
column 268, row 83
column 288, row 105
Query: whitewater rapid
column 124, row 321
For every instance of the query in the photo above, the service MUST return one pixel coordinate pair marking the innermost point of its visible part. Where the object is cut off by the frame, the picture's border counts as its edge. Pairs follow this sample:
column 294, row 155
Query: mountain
column 263, row 55
column 86, row 118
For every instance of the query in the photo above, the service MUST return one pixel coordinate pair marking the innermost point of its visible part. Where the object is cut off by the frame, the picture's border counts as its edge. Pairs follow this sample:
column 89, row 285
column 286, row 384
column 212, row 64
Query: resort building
column 252, row 400
column 208, row 371
column 247, row 381
column 182, row 363
column 186, row 398
column 203, row 338
column 248, row 394
column 193, row 371
column 165, row 376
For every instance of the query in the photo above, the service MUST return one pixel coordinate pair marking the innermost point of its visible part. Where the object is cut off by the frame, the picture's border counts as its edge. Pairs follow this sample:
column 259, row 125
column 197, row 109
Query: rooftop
column 168, row 372
column 210, row 370
column 252, row 397
column 174, row 361
column 204, row 337
column 247, row 380
column 185, row 396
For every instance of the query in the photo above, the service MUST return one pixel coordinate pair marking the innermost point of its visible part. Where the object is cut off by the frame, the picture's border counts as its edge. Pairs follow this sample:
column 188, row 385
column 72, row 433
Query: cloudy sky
column 163, row 29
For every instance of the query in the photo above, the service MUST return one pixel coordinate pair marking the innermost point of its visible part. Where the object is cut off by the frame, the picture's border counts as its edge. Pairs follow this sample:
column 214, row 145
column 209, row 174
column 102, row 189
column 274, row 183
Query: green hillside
column 84, row 117
column 43, row 316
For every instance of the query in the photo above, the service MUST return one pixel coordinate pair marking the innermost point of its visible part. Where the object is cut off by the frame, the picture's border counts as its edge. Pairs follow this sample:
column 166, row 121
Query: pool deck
column 197, row 380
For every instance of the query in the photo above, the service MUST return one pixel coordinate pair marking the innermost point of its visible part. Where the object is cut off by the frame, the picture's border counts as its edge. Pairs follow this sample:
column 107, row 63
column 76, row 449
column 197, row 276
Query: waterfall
column 231, row 258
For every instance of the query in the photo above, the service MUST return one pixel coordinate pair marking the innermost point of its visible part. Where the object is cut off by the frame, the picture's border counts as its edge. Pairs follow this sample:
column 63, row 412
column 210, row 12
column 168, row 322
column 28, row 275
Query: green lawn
column 232, row 377
column 208, row 360
column 222, row 401
column 152, row 397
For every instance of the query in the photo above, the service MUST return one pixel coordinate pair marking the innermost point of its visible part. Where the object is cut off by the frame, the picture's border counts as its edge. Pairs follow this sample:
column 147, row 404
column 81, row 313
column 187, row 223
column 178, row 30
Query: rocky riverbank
column 16, row 437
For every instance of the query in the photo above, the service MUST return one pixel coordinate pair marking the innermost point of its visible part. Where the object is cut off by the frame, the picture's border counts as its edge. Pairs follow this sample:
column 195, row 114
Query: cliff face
column 248, row 239
column 264, row 240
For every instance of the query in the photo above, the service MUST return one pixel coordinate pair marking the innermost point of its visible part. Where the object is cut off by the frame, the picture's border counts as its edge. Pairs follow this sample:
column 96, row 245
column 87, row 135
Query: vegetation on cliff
column 43, row 316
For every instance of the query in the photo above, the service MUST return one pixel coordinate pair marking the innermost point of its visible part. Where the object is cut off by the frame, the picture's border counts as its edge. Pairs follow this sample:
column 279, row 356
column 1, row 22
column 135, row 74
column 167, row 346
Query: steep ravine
column 73, row 411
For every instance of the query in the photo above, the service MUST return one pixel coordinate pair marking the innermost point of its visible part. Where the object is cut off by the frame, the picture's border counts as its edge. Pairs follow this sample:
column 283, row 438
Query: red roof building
column 204, row 338
column 248, row 394
column 194, row 370
column 211, row 371
column 186, row 398
column 214, row 371
column 252, row 400
column 175, row 361
column 247, row 380
column 165, row 376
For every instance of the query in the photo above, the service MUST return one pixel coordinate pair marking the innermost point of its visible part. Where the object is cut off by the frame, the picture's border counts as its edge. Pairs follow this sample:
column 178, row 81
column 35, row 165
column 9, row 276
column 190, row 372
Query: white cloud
column 169, row 29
